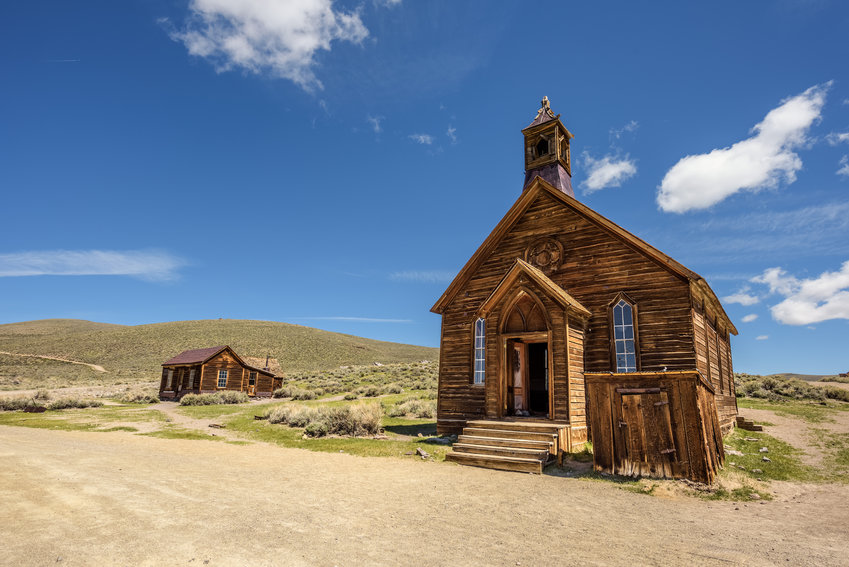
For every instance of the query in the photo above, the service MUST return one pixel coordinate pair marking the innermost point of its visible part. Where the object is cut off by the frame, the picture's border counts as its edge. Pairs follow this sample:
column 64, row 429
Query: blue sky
column 335, row 164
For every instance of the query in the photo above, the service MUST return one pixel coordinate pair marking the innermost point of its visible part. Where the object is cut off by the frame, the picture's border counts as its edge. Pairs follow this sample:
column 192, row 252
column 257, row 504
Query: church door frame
column 506, row 374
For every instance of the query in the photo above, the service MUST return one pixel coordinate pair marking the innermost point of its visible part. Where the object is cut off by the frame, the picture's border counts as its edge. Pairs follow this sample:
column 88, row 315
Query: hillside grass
column 135, row 353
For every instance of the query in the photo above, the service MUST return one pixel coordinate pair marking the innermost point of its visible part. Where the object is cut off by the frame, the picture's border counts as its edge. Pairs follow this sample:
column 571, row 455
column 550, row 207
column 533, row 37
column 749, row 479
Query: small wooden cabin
column 557, row 291
column 210, row 370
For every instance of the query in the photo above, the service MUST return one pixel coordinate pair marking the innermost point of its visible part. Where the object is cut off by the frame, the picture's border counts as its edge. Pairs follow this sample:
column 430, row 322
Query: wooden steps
column 748, row 424
column 525, row 446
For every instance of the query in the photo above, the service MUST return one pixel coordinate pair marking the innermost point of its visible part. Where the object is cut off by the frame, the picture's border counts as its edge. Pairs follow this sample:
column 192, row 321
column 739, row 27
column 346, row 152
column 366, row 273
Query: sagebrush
column 354, row 420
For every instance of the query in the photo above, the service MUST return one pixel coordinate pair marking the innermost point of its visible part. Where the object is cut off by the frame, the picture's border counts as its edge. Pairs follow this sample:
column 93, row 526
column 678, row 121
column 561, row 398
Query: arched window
column 480, row 351
column 624, row 336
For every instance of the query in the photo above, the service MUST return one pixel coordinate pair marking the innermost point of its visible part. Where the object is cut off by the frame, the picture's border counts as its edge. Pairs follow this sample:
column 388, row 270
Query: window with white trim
column 480, row 351
column 192, row 378
column 222, row 378
column 623, row 336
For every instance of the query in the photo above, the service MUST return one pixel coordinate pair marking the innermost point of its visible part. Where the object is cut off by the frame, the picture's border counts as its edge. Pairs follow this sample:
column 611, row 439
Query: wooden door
column 643, row 442
column 252, row 383
column 517, row 377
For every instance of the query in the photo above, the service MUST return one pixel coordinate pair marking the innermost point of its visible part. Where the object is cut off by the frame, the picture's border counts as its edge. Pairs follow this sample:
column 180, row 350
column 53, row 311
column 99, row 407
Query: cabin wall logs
column 713, row 360
column 596, row 267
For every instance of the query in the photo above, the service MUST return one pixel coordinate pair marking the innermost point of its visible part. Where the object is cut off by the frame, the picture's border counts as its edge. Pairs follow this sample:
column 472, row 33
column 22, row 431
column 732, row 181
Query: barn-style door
column 644, row 444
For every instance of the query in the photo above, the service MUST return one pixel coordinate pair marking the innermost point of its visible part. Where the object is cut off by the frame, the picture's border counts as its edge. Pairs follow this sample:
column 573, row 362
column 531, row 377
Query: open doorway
column 527, row 379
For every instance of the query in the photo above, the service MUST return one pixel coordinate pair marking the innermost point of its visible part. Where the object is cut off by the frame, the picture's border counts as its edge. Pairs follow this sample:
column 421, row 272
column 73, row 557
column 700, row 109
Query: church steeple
column 547, row 150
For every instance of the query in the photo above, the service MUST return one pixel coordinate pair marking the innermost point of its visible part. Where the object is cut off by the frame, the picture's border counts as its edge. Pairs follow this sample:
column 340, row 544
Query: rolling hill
column 135, row 353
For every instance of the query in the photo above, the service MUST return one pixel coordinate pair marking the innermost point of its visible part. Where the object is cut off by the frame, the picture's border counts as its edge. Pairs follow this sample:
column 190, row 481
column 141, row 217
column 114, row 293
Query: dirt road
column 80, row 498
column 96, row 367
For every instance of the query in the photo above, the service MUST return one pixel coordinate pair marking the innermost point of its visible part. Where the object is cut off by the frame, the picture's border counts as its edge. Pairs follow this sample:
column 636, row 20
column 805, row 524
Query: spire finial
column 545, row 104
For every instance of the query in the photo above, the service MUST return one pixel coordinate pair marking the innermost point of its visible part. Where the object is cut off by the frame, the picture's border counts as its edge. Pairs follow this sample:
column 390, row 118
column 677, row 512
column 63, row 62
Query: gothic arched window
column 480, row 351
column 624, row 324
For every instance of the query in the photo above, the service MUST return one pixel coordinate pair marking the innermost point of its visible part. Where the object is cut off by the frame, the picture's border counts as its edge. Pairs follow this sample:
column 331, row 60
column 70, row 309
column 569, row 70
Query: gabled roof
column 553, row 290
column 202, row 355
column 539, row 186
column 195, row 356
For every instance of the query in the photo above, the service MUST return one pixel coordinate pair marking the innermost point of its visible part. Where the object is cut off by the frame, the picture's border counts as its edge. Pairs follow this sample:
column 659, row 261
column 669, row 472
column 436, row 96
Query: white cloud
column 608, row 171
column 749, row 318
column 631, row 126
column 375, row 123
column 149, row 265
column 452, row 134
column 742, row 297
column 280, row 37
column 423, row 276
column 761, row 337
column 761, row 161
column 837, row 138
column 425, row 139
column 844, row 170
column 808, row 301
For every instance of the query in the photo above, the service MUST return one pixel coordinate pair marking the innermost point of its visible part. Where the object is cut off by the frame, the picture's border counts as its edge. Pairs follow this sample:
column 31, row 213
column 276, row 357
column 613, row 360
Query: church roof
column 544, row 114
column 540, row 186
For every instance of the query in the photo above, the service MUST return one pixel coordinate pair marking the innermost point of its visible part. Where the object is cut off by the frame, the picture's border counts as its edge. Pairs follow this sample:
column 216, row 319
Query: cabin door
column 252, row 383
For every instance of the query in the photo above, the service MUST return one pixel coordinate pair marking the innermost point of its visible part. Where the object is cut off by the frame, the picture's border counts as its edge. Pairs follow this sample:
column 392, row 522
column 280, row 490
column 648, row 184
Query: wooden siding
column 206, row 377
column 596, row 267
column 713, row 361
column 660, row 424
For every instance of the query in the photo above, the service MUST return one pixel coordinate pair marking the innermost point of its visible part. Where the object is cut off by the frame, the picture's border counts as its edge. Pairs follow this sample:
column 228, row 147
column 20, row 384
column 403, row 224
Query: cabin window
column 222, row 378
column 625, row 343
column 192, row 378
column 170, row 378
column 252, row 379
column 480, row 351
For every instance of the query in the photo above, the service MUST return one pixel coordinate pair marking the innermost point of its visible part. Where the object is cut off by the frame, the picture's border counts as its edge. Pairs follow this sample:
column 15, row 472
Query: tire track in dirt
column 96, row 367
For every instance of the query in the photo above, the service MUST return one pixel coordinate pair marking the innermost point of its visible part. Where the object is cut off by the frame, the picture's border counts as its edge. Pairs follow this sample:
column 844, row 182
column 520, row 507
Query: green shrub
column 69, row 403
column 304, row 395
column 393, row 389
column 350, row 420
column 777, row 388
column 415, row 407
column 17, row 404
column 42, row 395
column 351, row 396
column 139, row 397
column 284, row 392
column 225, row 397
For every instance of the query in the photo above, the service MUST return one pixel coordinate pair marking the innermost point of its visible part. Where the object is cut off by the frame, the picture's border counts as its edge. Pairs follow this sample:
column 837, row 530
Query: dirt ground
column 82, row 498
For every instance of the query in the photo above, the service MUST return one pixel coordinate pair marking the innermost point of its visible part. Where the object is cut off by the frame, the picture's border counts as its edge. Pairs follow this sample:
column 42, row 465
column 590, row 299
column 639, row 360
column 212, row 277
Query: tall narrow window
column 252, row 379
column 170, row 378
column 623, row 337
column 192, row 378
column 480, row 351
column 222, row 378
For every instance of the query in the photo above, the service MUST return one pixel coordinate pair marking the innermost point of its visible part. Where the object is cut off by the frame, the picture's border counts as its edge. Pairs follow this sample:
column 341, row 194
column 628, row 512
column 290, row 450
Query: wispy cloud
column 749, row 318
column 422, row 276
column 810, row 300
column 452, row 134
column 762, row 161
column 425, row 139
column 616, row 133
column 609, row 171
column 844, row 170
column 144, row 264
column 375, row 123
column 837, row 138
column 741, row 297
column 279, row 38
column 353, row 319
column 762, row 337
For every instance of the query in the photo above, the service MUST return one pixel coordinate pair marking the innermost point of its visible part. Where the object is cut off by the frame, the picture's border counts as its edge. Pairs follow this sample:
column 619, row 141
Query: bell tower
column 547, row 150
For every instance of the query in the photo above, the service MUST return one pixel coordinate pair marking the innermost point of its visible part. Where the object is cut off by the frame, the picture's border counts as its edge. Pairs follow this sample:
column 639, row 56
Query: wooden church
column 564, row 327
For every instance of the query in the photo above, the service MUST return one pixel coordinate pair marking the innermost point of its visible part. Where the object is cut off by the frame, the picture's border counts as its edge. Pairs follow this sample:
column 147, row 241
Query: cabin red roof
column 194, row 356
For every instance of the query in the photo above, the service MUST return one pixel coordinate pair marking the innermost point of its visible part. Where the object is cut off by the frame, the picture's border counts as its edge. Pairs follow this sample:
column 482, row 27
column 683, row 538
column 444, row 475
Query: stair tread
column 521, row 450
column 497, row 458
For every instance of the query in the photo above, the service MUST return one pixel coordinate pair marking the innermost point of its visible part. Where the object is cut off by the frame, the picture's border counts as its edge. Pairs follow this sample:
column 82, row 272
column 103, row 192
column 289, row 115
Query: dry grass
column 352, row 420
